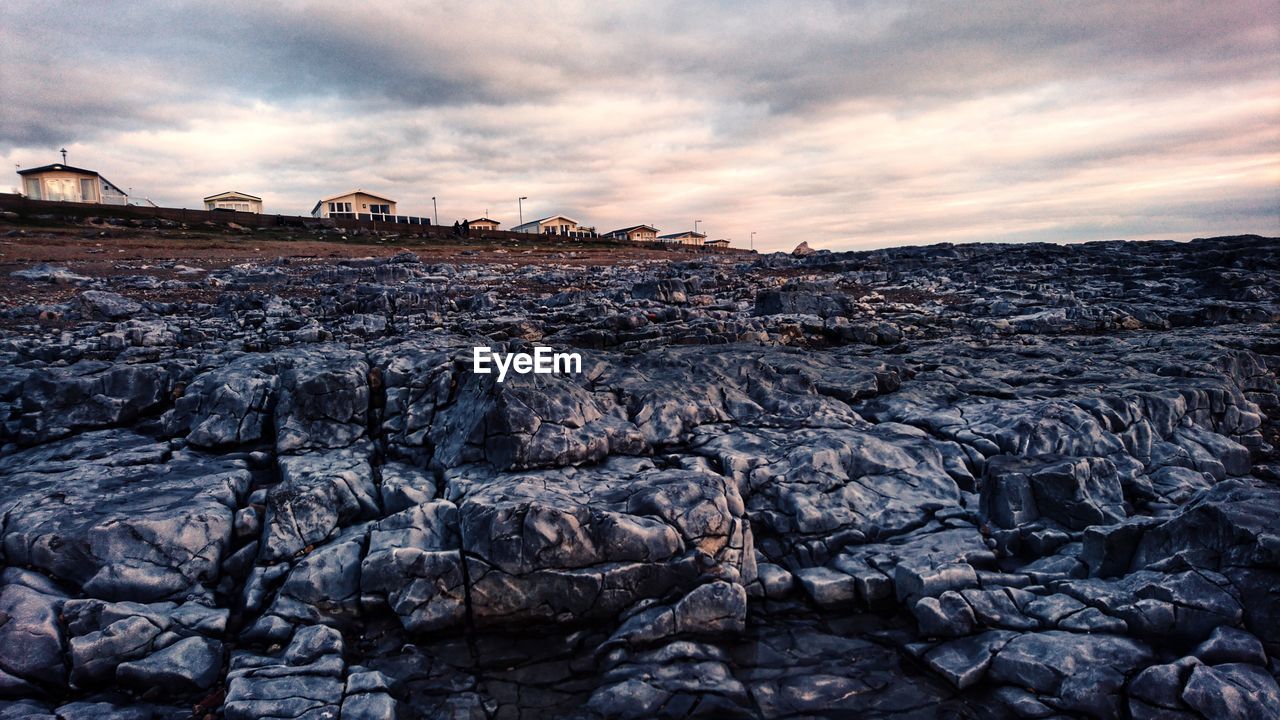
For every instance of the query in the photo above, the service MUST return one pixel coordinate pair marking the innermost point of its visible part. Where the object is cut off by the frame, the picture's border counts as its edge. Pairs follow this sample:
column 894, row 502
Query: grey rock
column 44, row 272
column 323, row 399
column 319, row 494
column 187, row 665
column 1229, row 645
column 1055, row 458
column 108, row 305
column 68, row 516
column 829, row 588
column 947, row 615
column 916, row 581
column 31, row 635
column 228, row 406
column 1077, row 492
column 1159, row 687
column 564, row 544
column 1047, row 662
column 324, row 586
column 964, row 662
column 1232, row 691
column 414, row 566
column 775, row 581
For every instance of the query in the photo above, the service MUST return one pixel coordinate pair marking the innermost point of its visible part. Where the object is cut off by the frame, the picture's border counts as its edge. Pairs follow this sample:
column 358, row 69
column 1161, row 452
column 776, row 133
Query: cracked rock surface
column 977, row 481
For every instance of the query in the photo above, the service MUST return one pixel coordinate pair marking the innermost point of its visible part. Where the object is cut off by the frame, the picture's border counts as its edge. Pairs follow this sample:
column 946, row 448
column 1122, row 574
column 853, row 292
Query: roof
column 488, row 220
column 626, row 230
column 56, row 166
column 686, row 233
column 718, row 241
column 232, row 193
column 322, row 201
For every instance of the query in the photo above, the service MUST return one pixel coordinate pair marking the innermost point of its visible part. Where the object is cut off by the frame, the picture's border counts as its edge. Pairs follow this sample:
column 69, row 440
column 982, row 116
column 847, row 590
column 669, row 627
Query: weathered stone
column 227, row 406
column 187, row 665
column 964, row 662
column 119, row 516
column 1052, row 476
column 1229, row 645
column 1232, row 691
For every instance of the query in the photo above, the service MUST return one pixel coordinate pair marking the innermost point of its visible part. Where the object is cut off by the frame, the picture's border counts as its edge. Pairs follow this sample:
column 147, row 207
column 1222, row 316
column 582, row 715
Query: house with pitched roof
column 556, row 225
column 635, row 233
column 483, row 223
column 689, row 237
column 352, row 205
column 234, row 200
column 70, row 184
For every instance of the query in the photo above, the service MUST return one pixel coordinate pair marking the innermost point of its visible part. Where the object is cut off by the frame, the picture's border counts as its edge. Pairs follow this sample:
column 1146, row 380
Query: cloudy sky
column 846, row 124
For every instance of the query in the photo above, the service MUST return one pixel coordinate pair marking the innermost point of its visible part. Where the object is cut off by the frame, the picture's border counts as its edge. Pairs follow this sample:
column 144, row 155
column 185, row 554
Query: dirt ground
column 109, row 251
column 87, row 246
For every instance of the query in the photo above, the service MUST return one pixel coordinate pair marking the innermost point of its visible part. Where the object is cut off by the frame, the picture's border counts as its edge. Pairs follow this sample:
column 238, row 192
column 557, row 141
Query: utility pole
column 753, row 239
column 435, row 211
column 64, row 155
column 520, row 202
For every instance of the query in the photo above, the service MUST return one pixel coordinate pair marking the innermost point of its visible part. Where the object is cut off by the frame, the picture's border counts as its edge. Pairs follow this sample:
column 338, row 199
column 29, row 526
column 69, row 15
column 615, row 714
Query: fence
column 27, row 208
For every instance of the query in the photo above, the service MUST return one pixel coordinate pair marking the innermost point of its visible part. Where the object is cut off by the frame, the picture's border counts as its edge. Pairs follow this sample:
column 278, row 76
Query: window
column 86, row 190
column 63, row 189
column 339, row 207
column 380, row 209
column 33, row 188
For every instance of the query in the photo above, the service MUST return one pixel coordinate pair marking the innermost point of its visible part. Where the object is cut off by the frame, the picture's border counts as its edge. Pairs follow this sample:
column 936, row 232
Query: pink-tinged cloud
column 847, row 125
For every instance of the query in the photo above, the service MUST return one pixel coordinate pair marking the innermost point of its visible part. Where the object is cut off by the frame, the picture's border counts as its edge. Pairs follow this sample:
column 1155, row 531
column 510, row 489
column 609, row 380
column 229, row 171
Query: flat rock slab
column 120, row 516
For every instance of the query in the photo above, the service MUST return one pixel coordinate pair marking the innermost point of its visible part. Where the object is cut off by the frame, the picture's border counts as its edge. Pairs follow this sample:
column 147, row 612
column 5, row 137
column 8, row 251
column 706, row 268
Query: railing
column 397, row 219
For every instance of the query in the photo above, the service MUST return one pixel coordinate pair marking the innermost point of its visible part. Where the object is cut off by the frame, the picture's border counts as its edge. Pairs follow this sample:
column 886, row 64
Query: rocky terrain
column 953, row 481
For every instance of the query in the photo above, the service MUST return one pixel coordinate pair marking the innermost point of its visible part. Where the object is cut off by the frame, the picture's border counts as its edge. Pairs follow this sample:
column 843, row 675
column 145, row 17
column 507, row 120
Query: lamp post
column 435, row 211
column 520, row 203
column 695, row 225
column 753, row 239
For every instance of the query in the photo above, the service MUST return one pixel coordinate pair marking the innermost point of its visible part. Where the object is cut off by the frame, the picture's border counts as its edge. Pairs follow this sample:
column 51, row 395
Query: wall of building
column 360, row 203
column 63, row 185
column 253, row 206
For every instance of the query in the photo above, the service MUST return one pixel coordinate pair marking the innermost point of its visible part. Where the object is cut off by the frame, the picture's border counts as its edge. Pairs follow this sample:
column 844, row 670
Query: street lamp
column 520, row 202
column 435, row 211
column 753, row 239
column 695, row 225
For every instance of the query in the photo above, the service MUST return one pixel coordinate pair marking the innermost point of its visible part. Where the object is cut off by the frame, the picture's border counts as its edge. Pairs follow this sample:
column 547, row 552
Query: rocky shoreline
column 952, row 481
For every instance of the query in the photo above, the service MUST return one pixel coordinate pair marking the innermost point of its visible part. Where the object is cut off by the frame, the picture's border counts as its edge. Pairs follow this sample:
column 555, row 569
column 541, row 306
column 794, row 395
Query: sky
column 848, row 125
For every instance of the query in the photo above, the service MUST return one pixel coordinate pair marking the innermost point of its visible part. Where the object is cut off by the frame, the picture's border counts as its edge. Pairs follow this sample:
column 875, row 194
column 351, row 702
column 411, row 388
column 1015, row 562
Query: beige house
column 556, row 225
column 70, row 184
column 354, row 204
column 636, row 233
column 484, row 224
column 717, row 243
column 689, row 237
column 234, row 200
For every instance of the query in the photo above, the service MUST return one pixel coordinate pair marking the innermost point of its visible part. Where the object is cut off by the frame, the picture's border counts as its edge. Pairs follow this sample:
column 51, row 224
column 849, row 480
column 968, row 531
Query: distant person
column 466, row 227
column 457, row 229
